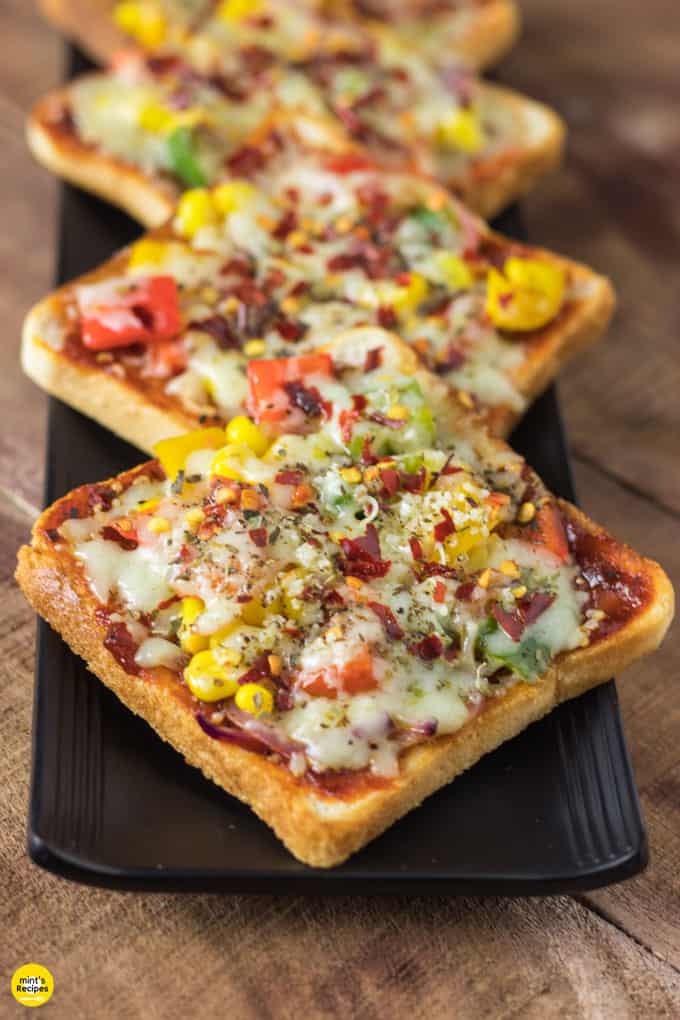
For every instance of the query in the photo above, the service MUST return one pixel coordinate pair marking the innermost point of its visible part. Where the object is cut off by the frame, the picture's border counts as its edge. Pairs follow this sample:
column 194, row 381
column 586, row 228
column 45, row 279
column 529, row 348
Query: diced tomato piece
column 349, row 163
column 355, row 677
column 267, row 379
column 144, row 311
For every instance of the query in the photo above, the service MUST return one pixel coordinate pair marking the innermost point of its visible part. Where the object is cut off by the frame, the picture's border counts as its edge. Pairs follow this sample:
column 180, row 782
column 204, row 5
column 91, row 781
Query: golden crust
column 317, row 827
column 128, row 412
column 540, row 134
column 490, row 34
column 149, row 199
column 491, row 184
column 582, row 324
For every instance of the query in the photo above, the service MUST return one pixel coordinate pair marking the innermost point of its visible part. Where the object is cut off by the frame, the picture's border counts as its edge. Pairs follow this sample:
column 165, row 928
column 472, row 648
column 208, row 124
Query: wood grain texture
column 611, row 955
column 31, row 61
column 611, row 70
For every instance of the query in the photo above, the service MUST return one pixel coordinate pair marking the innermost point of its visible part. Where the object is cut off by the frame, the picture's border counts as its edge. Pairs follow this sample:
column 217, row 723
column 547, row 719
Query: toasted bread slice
column 480, row 35
column 323, row 824
column 143, row 416
column 530, row 146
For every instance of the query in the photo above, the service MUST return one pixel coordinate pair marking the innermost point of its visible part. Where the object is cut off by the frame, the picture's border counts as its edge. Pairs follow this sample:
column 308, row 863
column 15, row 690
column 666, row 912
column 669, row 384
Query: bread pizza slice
column 331, row 631
column 477, row 31
column 151, row 127
column 304, row 245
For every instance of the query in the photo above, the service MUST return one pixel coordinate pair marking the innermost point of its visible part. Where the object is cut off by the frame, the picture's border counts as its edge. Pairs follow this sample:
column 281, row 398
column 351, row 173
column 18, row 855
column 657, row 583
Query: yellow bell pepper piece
column 403, row 298
column 208, row 679
column 148, row 252
column 189, row 640
column 173, row 453
column 527, row 295
column 237, row 10
column 232, row 195
column 155, row 118
column 143, row 21
column 462, row 130
column 409, row 296
column 243, row 431
column 455, row 271
column 195, row 210
column 148, row 505
column 254, row 699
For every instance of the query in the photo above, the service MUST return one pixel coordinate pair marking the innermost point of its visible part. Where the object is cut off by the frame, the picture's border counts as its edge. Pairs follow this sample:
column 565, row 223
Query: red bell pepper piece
column 267, row 379
column 349, row 163
column 135, row 311
column 355, row 677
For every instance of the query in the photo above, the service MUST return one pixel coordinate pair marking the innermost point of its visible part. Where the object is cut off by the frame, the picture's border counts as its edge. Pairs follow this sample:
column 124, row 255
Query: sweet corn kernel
column 192, row 608
column 155, row 118
column 465, row 399
column 253, row 613
column 290, row 305
column 195, row 211
column 336, row 536
column 236, row 10
column 343, row 224
column 461, row 129
column 526, row 513
column 250, row 499
column 158, row 525
column 484, row 578
column 398, row 412
column 124, row 525
column 509, row 568
column 208, row 679
column 173, row 453
column 254, row 699
column 148, row 253
column 194, row 517
column 297, row 238
column 520, row 591
column 275, row 664
column 232, row 195
column 189, row 640
column 242, row 430
column 354, row 582
column 371, row 473
column 148, row 506
column 333, row 634
column 143, row 21
column 409, row 296
column 254, row 348
column 351, row 475
column 231, row 304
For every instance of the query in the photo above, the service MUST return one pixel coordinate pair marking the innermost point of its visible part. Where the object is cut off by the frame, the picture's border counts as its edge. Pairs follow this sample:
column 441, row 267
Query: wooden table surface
column 611, row 68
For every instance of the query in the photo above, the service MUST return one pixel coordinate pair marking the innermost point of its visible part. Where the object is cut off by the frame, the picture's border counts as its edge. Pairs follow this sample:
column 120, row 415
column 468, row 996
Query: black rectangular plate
column 554, row 810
